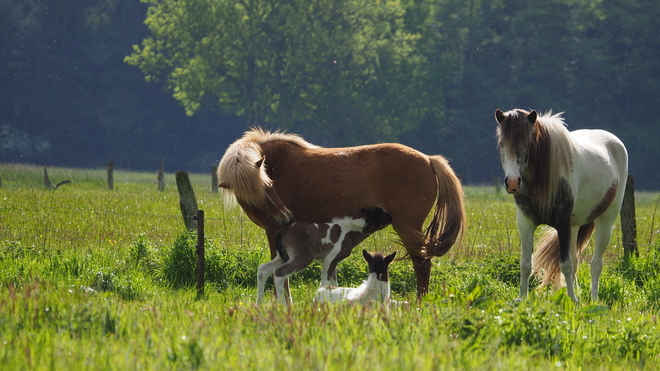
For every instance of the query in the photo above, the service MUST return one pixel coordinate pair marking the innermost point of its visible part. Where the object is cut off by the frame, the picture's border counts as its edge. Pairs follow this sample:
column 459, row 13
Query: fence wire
column 40, row 226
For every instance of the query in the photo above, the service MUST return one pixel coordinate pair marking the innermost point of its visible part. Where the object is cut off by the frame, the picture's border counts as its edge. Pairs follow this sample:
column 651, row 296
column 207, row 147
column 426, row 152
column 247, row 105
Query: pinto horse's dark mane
column 546, row 146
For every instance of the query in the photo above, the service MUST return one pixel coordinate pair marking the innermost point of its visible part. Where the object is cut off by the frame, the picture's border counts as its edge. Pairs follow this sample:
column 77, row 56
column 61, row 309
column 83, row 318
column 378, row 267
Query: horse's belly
column 333, row 191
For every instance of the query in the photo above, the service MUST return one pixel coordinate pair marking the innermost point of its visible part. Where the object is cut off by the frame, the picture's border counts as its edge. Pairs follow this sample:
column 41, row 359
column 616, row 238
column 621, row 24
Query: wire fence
column 491, row 231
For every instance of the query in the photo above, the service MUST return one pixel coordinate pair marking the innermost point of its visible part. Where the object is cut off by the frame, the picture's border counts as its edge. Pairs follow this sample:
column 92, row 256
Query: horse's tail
column 240, row 172
column 546, row 259
column 448, row 221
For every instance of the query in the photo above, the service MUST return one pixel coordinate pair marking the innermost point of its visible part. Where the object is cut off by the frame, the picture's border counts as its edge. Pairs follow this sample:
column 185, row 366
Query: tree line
column 426, row 73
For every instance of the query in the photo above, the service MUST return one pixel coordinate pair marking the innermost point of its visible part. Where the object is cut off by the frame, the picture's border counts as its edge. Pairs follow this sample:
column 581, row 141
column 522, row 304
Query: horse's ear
column 258, row 163
column 499, row 116
column 367, row 256
column 388, row 259
column 532, row 117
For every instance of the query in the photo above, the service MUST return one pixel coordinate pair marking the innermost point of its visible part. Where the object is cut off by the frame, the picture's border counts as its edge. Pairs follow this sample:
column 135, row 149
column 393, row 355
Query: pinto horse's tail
column 546, row 259
column 448, row 221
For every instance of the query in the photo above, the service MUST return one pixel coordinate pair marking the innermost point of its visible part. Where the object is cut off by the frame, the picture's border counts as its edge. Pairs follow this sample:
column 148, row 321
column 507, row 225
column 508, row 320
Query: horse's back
column 320, row 183
column 600, row 169
column 600, row 148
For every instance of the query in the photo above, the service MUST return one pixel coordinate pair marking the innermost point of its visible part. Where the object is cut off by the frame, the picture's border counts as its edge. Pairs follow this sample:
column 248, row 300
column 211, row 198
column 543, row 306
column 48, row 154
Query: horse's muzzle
column 512, row 185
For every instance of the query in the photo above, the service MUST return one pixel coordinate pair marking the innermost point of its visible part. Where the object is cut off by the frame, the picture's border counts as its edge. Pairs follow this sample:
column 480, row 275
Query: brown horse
column 276, row 176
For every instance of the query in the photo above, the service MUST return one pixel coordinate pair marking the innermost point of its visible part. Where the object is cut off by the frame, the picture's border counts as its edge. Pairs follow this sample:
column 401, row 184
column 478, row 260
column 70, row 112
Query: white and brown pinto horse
column 276, row 177
column 300, row 243
column 572, row 181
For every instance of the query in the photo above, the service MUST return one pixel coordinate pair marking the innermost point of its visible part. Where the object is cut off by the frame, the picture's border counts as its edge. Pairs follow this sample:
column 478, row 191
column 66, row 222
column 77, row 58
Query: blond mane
column 260, row 136
column 241, row 171
column 549, row 148
column 559, row 157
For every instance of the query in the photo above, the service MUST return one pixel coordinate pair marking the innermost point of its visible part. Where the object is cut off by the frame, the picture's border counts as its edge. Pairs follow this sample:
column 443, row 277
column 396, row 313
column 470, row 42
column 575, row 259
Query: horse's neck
column 550, row 161
column 373, row 289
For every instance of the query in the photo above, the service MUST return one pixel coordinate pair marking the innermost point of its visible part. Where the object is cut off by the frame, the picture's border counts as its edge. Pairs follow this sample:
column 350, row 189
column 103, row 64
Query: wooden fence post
column 200, row 253
column 161, row 177
column 50, row 185
column 47, row 179
column 628, row 222
column 111, row 176
column 214, row 179
column 187, row 200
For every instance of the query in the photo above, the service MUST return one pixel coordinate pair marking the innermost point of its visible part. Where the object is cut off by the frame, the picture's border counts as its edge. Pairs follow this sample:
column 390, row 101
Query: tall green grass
column 98, row 279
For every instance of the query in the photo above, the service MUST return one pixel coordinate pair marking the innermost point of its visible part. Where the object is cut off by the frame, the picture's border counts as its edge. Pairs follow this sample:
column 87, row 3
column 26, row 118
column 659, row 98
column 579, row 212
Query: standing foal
column 301, row 243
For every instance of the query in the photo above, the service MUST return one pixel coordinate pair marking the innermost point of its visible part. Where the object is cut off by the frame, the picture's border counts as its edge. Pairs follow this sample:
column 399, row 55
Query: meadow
column 100, row 279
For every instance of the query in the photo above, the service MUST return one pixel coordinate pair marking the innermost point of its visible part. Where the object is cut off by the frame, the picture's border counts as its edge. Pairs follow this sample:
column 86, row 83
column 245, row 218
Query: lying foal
column 376, row 288
column 301, row 243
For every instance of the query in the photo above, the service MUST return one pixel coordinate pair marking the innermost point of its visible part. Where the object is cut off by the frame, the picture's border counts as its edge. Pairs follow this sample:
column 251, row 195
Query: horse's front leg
column 526, row 228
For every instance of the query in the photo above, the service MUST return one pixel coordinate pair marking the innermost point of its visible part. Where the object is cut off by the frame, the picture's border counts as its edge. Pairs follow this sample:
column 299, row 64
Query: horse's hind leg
column 422, row 268
column 413, row 239
column 568, row 260
column 263, row 272
column 603, row 235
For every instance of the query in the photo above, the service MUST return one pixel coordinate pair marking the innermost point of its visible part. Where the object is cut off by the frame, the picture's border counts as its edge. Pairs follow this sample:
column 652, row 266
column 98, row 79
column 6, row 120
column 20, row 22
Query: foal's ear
column 532, row 117
column 499, row 115
column 258, row 163
column 388, row 259
column 367, row 256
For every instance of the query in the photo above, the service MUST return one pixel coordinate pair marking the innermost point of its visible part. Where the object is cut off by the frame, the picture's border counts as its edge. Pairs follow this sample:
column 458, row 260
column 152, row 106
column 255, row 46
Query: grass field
column 105, row 280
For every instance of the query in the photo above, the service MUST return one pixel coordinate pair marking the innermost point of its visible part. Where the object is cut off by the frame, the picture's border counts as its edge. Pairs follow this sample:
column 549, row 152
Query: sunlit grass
column 97, row 279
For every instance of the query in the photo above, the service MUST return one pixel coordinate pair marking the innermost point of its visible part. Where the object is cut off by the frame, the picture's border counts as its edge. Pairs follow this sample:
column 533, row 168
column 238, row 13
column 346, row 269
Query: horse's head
column 252, row 187
column 516, row 133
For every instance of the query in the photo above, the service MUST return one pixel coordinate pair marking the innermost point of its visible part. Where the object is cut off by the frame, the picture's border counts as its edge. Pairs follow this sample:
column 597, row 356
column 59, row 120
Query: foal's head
column 378, row 264
column 375, row 219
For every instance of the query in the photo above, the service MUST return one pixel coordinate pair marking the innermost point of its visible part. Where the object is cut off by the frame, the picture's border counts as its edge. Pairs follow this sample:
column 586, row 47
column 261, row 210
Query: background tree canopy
column 426, row 73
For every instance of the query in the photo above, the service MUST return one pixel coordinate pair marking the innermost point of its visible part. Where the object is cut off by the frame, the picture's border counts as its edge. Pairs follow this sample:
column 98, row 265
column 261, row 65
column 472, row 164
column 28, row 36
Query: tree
column 282, row 62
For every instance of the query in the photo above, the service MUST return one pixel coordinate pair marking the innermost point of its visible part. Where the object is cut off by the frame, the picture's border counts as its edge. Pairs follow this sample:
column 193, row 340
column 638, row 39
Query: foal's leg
column 330, row 266
column 329, row 272
column 281, row 273
column 271, row 233
column 526, row 230
column 263, row 272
